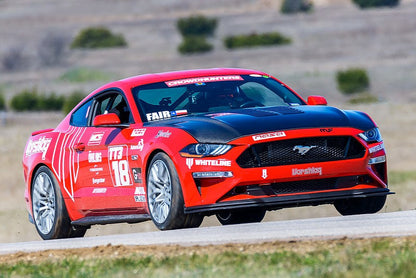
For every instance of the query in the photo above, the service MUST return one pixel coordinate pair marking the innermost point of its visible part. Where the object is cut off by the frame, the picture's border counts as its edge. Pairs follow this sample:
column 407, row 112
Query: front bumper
column 273, row 203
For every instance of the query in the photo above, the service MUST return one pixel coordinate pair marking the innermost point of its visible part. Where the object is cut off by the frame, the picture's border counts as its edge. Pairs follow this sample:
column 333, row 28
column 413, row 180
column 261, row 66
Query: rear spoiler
column 42, row 131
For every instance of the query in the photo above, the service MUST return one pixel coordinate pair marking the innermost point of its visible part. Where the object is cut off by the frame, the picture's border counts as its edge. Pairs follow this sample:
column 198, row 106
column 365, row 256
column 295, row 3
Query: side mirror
column 317, row 100
column 110, row 119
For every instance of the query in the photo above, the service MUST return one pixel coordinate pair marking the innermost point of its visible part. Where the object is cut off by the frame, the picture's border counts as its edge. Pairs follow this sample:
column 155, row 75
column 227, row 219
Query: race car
column 175, row 147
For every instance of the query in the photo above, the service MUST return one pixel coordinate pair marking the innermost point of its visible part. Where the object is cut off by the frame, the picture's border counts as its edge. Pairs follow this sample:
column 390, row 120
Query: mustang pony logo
column 302, row 150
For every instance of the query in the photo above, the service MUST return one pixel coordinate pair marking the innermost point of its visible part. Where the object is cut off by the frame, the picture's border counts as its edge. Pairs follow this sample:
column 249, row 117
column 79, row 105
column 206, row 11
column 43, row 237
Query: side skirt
column 110, row 219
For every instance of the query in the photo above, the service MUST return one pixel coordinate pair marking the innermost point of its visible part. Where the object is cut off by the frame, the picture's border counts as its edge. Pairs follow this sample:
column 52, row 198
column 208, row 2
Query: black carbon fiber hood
column 226, row 126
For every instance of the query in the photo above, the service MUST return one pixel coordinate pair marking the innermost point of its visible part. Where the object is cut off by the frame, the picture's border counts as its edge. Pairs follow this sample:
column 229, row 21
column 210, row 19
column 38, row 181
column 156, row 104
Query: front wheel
column 239, row 217
column 360, row 205
column 164, row 196
column 49, row 212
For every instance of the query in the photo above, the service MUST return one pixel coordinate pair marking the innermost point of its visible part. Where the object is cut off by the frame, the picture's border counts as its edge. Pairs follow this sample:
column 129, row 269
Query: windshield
column 164, row 100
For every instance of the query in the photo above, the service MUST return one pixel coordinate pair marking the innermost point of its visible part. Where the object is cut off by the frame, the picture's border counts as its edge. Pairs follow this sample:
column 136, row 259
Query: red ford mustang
column 175, row 147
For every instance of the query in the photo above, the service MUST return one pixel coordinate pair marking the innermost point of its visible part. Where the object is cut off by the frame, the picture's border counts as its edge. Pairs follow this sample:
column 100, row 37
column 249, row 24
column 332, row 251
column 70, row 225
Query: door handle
column 80, row 147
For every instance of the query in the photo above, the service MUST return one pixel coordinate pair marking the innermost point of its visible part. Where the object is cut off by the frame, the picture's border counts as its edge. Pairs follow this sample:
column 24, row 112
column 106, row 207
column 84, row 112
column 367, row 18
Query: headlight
column 371, row 136
column 201, row 150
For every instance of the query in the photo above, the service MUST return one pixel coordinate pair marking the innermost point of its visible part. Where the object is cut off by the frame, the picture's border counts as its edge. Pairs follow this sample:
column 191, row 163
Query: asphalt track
column 359, row 226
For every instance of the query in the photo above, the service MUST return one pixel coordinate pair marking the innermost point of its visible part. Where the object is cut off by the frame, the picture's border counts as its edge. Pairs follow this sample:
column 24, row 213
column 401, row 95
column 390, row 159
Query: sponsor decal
column 264, row 174
column 207, row 162
column 134, row 157
column 99, row 190
column 155, row 116
column 327, row 130
column 178, row 113
column 39, row 146
column 94, row 157
column 302, row 150
column 268, row 135
column 137, row 173
column 139, row 146
column 139, row 198
column 376, row 148
column 98, row 181
column 95, row 139
column 138, row 132
column 139, row 191
column 96, row 169
column 201, row 80
column 189, row 162
column 307, row 171
column 163, row 134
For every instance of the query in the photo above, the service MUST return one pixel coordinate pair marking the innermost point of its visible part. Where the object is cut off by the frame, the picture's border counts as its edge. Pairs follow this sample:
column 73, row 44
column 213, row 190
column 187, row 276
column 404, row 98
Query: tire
column 239, row 217
column 360, row 205
column 164, row 196
column 49, row 212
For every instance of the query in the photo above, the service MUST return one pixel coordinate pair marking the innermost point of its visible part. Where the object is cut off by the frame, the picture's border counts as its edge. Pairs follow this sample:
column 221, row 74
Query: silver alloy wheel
column 44, row 203
column 159, row 191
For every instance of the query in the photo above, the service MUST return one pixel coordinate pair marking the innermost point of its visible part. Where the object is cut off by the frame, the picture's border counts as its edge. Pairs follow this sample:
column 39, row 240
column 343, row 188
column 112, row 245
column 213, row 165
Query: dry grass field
column 335, row 36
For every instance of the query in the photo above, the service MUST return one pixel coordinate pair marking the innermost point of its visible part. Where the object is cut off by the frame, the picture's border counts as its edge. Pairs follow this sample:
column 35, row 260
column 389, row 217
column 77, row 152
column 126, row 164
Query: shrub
column 27, row 100
column 50, row 102
column 354, row 80
column 72, row 100
column 194, row 44
column 364, row 4
column 82, row 74
column 98, row 37
column 31, row 100
column 197, row 26
column 2, row 102
column 14, row 59
column 51, row 48
column 295, row 6
column 254, row 39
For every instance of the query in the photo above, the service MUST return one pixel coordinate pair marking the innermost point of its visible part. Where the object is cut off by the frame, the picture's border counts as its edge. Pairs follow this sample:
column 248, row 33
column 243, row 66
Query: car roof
column 167, row 76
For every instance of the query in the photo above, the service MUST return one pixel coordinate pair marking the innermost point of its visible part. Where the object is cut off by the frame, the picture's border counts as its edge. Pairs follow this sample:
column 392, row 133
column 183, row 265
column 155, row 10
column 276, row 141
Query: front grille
column 294, row 187
column 294, row 151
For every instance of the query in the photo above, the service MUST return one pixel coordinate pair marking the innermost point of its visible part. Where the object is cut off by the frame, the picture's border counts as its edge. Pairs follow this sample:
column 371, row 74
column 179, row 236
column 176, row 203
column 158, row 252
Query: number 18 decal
column 117, row 159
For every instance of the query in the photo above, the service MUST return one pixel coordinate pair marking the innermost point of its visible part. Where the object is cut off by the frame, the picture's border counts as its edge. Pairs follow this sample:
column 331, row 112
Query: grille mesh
column 288, row 152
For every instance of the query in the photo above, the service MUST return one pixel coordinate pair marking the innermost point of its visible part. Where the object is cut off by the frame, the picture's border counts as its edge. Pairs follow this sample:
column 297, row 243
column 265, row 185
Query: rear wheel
column 165, row 198
column 239, row 217
column 360, row 205
column 49, row 212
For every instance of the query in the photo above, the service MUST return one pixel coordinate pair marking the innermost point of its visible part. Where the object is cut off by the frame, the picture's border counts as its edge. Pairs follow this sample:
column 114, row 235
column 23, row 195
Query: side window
column 80, row 116
column 114, row 103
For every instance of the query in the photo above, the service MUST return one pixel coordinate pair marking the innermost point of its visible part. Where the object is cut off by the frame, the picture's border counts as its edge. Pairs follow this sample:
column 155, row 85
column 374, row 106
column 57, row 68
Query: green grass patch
column 344, row 258
column 363, row 98
column 400, row 177
column 83, row 74
column 98, row 37
column 254, row 39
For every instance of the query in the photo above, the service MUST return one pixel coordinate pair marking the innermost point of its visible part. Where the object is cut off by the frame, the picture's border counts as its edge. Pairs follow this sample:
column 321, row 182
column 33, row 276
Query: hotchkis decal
column 307, row 171
column 119, row 165
column 94, row 157
column 138, row 132
column 376, row 148
column 137, row 173
column 164, row 134
column 95, row 139
column 39, row 146
column 268, row 135
column 201, row 80
column 98, row 181
column 207, row 162
column 139, row 146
